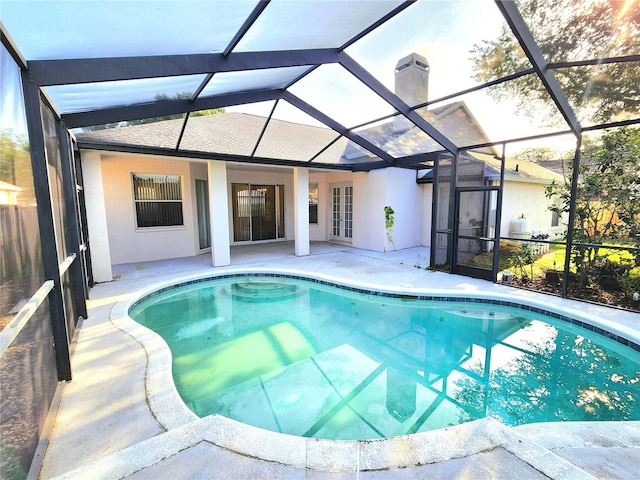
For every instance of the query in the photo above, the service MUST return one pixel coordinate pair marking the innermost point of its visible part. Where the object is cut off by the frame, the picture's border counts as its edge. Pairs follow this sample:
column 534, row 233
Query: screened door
column 341, row 212
column 202, row 206
column 258, row 212
column 476, row 242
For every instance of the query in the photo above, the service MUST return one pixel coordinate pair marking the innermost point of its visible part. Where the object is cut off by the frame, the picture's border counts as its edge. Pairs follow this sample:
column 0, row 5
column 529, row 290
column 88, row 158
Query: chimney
column 412, row 85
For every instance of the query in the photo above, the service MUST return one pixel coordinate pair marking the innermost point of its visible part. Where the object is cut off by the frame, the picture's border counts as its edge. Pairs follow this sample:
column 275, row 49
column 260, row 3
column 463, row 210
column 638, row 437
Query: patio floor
column 114, row 421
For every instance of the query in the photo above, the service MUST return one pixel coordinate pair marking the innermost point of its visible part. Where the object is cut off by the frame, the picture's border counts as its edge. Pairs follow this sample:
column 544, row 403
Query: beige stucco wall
column 405, row 196
column 372, row 191
column 528, row 199
column 131, row 244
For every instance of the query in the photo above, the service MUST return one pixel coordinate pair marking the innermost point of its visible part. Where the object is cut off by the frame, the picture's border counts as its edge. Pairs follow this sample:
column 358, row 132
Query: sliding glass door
column 202, row 207
column 258, row 212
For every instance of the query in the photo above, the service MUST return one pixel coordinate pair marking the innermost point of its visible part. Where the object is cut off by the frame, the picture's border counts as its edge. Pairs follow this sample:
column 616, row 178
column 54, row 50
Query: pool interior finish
column 313, row 360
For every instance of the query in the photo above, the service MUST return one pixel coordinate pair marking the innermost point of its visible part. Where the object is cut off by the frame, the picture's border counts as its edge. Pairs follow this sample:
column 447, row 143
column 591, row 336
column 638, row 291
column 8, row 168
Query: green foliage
column 570, row 30
column 11, row 145
column 10, row 465
column 15, row 164
column 523, row 257
column 537, row 154
column 563, row 376
column 389, row 221
column 608, row 198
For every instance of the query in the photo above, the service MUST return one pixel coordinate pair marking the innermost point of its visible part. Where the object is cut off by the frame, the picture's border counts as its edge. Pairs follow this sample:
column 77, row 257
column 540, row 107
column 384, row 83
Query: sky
column 444, row 31
column 12, row 114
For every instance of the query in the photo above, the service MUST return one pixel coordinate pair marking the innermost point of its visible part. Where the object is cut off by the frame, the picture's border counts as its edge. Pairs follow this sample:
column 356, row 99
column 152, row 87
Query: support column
column 70, row 183
column 48, row 242
column 96, row 217
column 219, row 208
column 301, row 210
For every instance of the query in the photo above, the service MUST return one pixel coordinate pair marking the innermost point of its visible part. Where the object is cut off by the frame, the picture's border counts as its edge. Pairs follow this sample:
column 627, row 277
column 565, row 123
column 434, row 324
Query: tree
column 556, row 374
column 608, row 196
column 11, row 145
column 160, row 98
column 569, row 30
column 536, row 154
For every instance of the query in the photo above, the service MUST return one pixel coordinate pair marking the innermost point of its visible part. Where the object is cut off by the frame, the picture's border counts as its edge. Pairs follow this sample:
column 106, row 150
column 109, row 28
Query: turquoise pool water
column 314, row 360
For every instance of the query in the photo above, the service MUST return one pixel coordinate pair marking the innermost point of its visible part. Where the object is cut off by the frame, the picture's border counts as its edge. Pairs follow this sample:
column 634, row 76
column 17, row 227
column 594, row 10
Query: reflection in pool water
column 314, row 360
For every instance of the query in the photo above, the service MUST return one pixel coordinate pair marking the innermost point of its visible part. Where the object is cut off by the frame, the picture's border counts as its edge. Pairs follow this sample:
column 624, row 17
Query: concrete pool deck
column 117, row 419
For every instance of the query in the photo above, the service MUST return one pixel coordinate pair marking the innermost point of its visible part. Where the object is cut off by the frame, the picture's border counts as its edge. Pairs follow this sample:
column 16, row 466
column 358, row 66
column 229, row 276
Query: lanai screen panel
column 376, row 34
column 272, row 78
column 287, row 25
column 232, row 133
column 602, row 93
column 122, row 93
column 442, row 31
column 350, row 102
column 163, row 134
column 332, row 154
column 300, row 140
column 399, row 137
column 607, row 28
column 46, row 30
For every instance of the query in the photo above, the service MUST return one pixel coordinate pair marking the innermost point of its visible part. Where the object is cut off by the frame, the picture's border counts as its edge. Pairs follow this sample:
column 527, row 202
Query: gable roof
column 480, row 167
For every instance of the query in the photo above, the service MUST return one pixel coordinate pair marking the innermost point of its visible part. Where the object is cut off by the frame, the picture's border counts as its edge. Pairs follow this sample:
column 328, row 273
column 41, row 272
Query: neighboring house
column 9, row 193
column 169, row 203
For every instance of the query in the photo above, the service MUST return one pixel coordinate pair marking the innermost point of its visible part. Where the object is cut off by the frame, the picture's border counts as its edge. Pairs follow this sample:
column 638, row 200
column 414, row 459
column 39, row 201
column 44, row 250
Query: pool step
column 263, row 291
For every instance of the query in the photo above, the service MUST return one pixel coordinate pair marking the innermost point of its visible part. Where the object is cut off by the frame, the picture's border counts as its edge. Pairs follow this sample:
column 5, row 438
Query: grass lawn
column 509, row 253
column 553, row 259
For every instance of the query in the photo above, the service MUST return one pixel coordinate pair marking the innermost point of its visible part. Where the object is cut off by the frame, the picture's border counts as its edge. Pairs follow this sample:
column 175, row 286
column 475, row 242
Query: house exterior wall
column 528, row 199
column 368, row 204
column 405, row 196
column 94, row 197
column 321, row 230
column 372, row 192
column 128, row 243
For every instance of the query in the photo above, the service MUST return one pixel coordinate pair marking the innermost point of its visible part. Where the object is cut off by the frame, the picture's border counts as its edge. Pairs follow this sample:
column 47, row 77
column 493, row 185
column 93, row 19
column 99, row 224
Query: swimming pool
column 411, row 364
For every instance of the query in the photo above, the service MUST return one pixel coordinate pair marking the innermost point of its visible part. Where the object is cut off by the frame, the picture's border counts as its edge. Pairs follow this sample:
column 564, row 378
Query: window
column 555, row 219
column 313, row 203
column 158, row 200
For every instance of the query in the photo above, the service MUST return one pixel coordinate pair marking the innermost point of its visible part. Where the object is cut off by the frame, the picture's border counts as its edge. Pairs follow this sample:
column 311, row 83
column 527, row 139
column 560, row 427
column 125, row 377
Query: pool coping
column 408, row 451
column 183, row 427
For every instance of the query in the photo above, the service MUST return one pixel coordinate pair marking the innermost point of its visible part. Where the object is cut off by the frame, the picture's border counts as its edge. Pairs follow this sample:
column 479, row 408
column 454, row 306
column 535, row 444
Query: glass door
column 341, row 212
column 202, row 207
column 258, row 212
